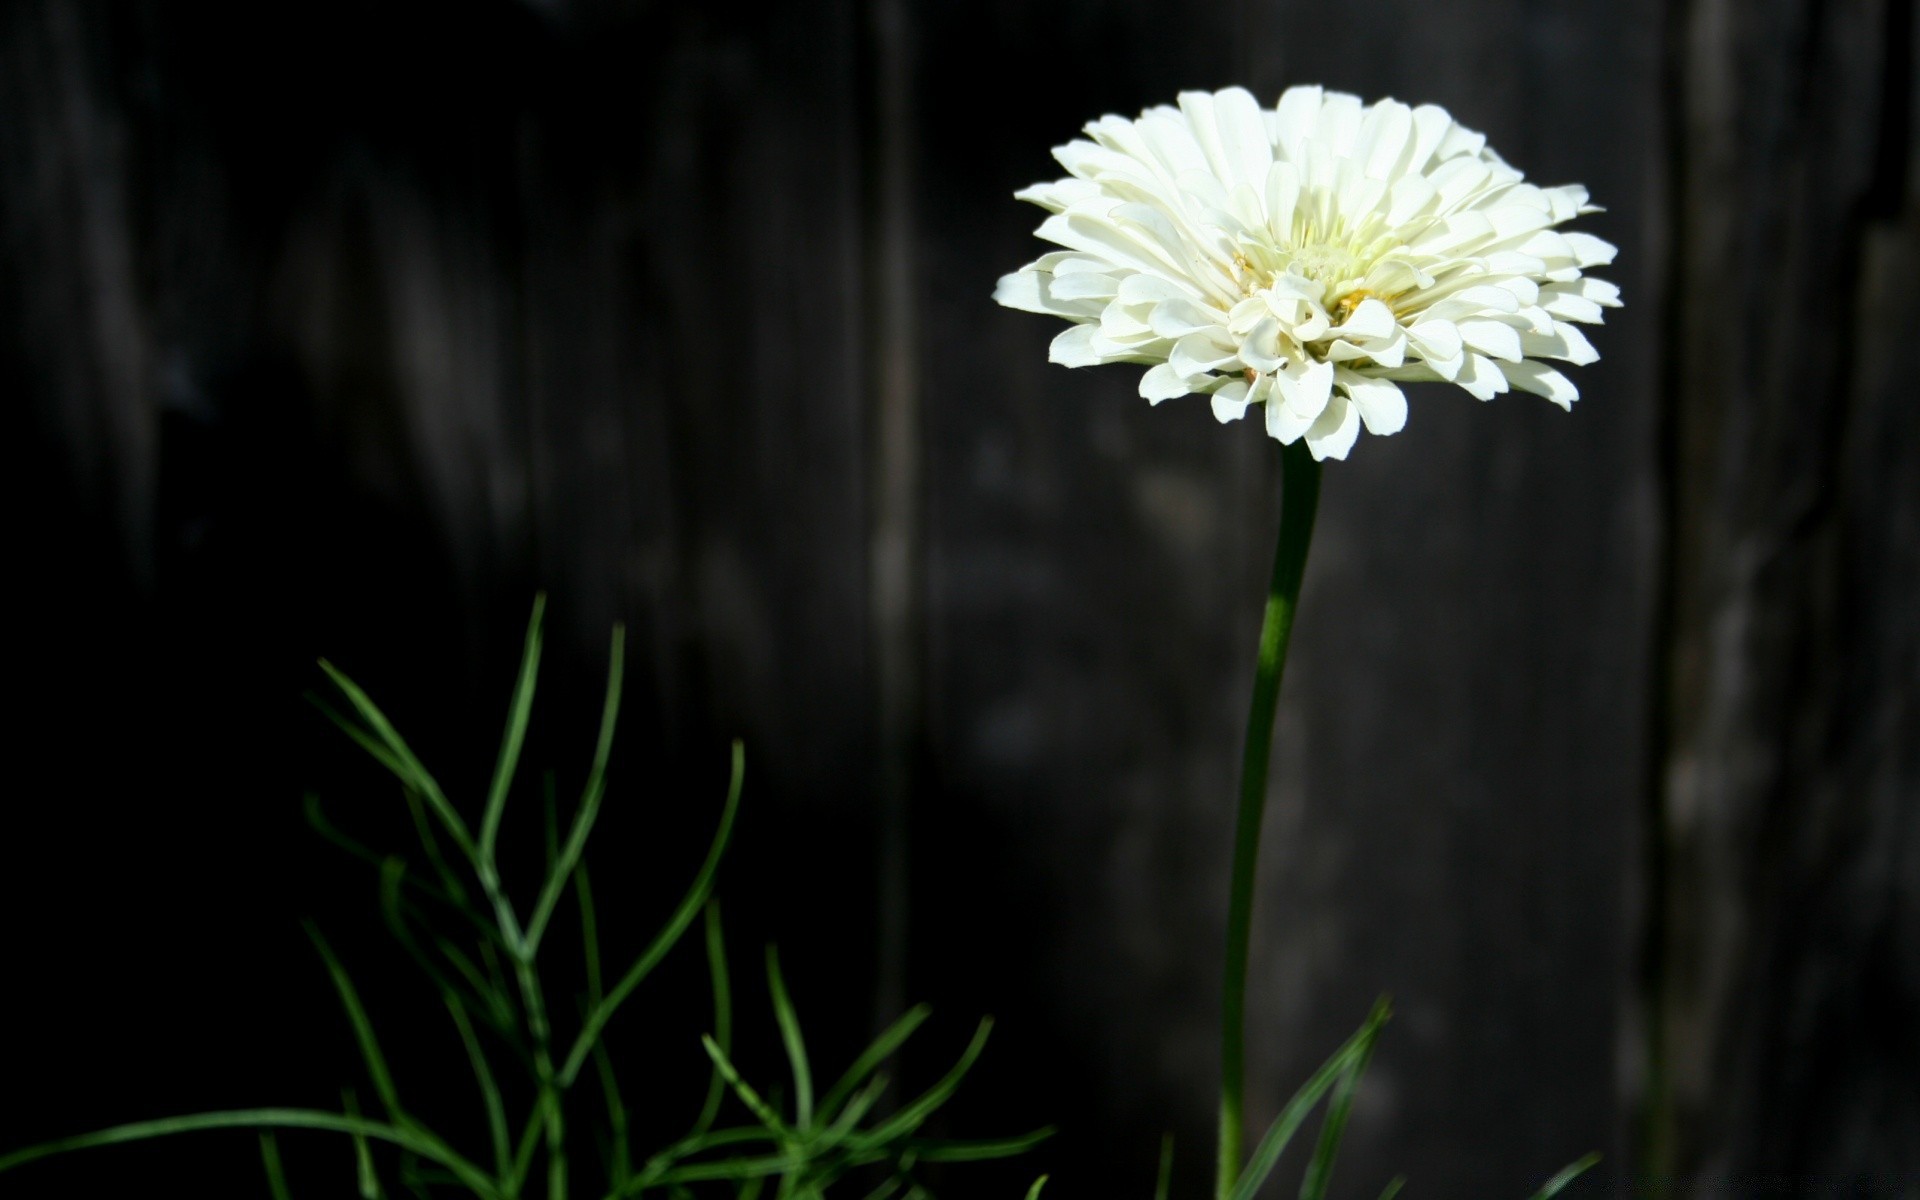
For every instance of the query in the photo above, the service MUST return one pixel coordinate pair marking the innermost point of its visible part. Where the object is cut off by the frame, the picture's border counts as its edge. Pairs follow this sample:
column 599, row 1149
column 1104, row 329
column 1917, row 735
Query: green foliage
column 494, row 988
column 1337, row 1080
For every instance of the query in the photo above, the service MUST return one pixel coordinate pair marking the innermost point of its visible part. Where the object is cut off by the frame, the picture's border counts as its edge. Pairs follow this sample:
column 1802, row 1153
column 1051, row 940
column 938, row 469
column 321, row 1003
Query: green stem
column 1300, row 497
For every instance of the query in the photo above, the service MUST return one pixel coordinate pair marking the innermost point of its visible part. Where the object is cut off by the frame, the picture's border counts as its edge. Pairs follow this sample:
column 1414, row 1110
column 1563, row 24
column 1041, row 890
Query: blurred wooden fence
column 340, row 330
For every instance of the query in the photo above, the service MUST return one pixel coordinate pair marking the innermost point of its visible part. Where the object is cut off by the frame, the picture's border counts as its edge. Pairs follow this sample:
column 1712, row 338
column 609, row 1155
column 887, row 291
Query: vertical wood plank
column 1787, row 941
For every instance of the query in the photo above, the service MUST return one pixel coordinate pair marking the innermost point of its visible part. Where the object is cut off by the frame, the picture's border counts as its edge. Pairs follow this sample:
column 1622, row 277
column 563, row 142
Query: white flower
column 1309, row 258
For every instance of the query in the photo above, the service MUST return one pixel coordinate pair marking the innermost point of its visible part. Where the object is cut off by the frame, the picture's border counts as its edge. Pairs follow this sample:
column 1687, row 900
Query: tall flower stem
column 1299, row 500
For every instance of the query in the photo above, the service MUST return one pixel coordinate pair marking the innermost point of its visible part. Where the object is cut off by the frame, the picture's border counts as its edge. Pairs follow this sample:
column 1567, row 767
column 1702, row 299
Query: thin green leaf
column 978, row 1150
column 910, row 1117
column 366, row 741
column 1163, row 1178
column 395, row 909
column 364, row 1175
column 619, row 1149
column 589, row 810
column 528, row 1145
column 759, row 1107
column 276, row 1174
column 317, row 818
column 423, row 829
column 1320, row 1169
column 483, row 1076
column 858, row 1107
column 1393, row 1187
column 400, row 759
column 421, row 1143
column 518, row 710
column 722, row 1013
column 891, row 1185
column 1033, row 1193
column 1567, row 1175
column 796, row 1046
column 1267, row 1154
column 870, row 1059
column 362, row 1030
column 733, row 1168
column 668, row 936
column 620, row 1166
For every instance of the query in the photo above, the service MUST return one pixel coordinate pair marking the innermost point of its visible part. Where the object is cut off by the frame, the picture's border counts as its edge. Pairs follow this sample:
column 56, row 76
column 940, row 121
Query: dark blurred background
column 340, row 330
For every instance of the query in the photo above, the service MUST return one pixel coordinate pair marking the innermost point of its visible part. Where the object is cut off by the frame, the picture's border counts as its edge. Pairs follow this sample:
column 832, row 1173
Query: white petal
column 1260, row 348
column 1382, row 405
column 1230, row 402
column 1411, row 194
column 1059, row 195
column 1074, row 347
column 1371, row 319
column 1305, row 387
column 1435, row 340
column 1146, row 289
column 1178, row 317
column 1032, row 291
column 1385, row 138
column 1481, row 377
column 1492, row 337
column 1335, row 432
column 1243, row 137
column 1084, row 285
column 1542, row 380
column 1566, row 343
column 1298, row 111
column 1590, row 251
column 1283, row 192
column 1162, row 382
column 1199, row 353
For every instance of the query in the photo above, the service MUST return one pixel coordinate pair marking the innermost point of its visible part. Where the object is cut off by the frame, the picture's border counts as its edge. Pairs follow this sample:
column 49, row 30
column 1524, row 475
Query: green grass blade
column 981, row 1149
column 1033, row 1193
column 394, row 908
column 519, row 709
column 423, row 829
column 875, row 1054
column 317, row 818
column 524, row 1151
column 400, row 759
column 489, row 1088
column 374, row 747
column 796, row 1046
column 1567, row 1175
column 913, row 1115
column 722, row 1014
column 856, row 1108
column 1393, row 1187
column 1163, row 1178
column 620, row 1166
column 1320, row 1169
column 1267, row 1154
column 590, row 798
column 663, row 941
column 276, row 1174
column 741, row 1088
column 362, row 1030
column 423, row 1144
column 619, row 1150
column 589, row 934
column 367, row 1180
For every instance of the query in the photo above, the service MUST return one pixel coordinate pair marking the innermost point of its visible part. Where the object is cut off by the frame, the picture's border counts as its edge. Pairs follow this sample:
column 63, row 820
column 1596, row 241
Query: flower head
column 1310, row 258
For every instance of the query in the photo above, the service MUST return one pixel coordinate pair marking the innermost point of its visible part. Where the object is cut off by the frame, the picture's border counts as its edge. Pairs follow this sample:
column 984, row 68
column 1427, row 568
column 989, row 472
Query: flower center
column 1325, row 263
